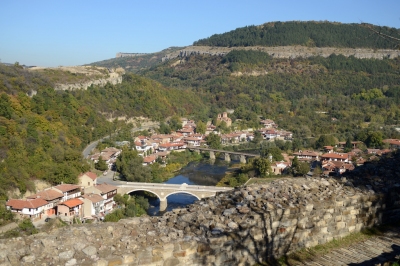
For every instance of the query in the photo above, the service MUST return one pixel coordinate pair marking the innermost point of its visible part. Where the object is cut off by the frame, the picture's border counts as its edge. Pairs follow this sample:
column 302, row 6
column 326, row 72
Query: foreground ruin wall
column 241, row 227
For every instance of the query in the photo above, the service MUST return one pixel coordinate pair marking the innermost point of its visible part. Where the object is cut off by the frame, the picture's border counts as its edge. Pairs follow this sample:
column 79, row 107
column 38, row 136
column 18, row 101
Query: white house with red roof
column 192, row 141
column 279, row 168
column 31, row 208
column 393, row 143
column 306, row 155
column 69, row 209
column 53, row 198
column 171, row 146
column 107, row 191
column 333, row 156
column 87, row 179
column 93, row 205
column 69, row 191
column 149, row 159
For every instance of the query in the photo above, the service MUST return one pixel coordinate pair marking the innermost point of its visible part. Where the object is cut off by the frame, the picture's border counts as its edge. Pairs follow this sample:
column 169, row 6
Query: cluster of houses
column 158, row 146
column 335, row 162
column 87, row 200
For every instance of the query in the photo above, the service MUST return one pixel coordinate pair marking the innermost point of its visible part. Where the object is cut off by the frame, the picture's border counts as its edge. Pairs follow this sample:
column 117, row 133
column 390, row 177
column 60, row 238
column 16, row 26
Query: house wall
column 87, row 209
column 86, row 181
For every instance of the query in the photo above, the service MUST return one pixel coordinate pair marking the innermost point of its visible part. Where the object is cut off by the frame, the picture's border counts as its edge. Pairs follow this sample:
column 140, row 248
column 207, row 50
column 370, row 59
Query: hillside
column 281, row 40
column 134, row 64
column 42, row 136
column 293, row 91
column 309, row 34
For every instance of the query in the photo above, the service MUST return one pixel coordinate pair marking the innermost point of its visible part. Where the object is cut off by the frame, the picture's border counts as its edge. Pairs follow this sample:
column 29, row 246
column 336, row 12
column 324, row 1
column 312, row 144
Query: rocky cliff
column 290, row 51
column 114, row 78
column 245, row 226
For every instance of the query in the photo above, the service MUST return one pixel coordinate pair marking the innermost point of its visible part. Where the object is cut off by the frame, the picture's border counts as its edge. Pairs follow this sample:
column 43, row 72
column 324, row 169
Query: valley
column 318, row 101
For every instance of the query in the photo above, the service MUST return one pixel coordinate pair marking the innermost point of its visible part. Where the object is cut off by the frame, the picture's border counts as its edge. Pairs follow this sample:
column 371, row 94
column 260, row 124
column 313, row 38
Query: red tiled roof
column 66, row 187
column 166, row 145
column 93, row 197
column 21, row 204
column 48, row 194
column 104, row 188
column 392, row 141
column 149, row 159
column 72, row 203
column 91, row 175
column 335, row 155
column 306, row 153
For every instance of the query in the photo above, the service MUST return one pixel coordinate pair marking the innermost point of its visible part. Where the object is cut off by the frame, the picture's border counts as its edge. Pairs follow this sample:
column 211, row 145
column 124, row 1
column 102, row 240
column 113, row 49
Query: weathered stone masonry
column 241, row 227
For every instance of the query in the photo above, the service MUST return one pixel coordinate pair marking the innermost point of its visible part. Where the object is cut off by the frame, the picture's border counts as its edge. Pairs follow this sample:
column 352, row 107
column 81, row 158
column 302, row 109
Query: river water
column 195, row 173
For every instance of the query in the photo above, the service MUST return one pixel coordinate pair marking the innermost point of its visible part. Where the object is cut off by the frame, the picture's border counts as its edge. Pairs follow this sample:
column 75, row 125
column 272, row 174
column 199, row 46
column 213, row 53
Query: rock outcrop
column 245, row 226
column 290, row 51
column 114, row 78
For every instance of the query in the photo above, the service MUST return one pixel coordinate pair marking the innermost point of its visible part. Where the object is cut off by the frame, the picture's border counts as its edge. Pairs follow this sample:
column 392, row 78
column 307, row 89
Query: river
column 195, row 173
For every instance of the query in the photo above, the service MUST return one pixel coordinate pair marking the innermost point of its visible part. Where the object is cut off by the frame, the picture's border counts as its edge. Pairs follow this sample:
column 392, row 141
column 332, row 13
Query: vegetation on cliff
column 311, row 33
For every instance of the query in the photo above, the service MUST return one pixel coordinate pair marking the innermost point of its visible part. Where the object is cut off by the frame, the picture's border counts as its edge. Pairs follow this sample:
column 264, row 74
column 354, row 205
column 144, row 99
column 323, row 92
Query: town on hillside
column 89, row 200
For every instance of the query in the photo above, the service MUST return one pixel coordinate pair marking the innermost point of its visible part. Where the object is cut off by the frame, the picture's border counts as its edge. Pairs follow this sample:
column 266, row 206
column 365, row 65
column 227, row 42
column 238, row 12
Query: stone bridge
column 162, row 191
column 243, row 156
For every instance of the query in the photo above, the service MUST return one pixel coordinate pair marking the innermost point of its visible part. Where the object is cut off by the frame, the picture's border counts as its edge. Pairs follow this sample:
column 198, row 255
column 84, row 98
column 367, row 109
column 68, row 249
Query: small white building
column 33, row 208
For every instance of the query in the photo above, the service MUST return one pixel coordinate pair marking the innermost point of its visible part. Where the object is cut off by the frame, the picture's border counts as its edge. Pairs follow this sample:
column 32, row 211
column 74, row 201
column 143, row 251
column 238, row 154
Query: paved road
column 108, row 178
column 93, row 144
column 89, row 149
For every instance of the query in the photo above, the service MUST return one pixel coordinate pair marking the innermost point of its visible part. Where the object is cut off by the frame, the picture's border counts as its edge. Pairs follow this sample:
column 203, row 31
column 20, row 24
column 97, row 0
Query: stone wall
column 241, row 227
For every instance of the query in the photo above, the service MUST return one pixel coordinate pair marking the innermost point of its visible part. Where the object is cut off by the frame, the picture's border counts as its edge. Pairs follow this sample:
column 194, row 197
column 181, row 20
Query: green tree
column 101, row 164
column 201, row 127
column 257, row 137
column 374, row 139
column 275, row 152
column 262, row 166
column 175, row 123
column 130, row 165
column 325, row 140
column 302, row 169
column 213, row 141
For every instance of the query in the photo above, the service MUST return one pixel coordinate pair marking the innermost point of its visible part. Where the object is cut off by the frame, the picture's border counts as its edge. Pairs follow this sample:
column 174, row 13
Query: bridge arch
column 143, row 189
column 183, row 192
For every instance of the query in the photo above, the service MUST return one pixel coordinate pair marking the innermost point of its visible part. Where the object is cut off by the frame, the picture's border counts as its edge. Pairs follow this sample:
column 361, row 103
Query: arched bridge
column 162, row 191
column 243, row 155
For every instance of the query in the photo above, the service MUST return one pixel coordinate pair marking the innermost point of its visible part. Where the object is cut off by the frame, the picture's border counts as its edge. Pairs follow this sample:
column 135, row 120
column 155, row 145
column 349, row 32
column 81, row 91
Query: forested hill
column 42, row 137
column 311, row 34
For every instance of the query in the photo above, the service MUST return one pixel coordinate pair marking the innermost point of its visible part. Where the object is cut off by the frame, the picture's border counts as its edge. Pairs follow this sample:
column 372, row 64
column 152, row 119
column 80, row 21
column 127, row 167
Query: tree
column 175, row 123
column 374, row 139
column 299, row 168
column 257, row 137
column 164, row 128
column 275, row 152
column 201, row 127
column 325, row 140
column 130, row 165
column 262, row 166
column 101, row 165
column 317, row 171
column 213, row 141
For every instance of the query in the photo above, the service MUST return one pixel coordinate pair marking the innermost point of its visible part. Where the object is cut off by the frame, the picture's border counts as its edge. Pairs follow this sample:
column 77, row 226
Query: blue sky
column 54, row 33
